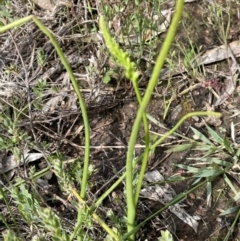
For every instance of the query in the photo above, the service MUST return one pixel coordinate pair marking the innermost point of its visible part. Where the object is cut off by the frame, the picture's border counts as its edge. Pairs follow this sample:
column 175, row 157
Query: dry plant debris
column 200, row 72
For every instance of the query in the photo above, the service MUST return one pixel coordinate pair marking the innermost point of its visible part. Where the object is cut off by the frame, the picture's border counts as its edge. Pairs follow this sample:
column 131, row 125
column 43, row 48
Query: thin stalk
column 131, row 207
column 146, row 150
column 184, row 118
column 83, row 108
column 15, row 24
column 81, row 102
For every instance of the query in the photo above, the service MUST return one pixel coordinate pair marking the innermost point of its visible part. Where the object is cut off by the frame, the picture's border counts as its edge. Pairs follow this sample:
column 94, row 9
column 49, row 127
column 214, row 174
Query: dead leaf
column 9, row 163
column 218, row 54
column 165, row 194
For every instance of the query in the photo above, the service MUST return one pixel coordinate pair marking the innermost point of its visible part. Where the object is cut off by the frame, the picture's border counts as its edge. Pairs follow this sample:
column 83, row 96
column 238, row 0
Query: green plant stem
column 83, row 109
column 131, row 207
column 76, row 89
column 15, row 24
column 81, row 102
column 146, row 150
column 184, row 118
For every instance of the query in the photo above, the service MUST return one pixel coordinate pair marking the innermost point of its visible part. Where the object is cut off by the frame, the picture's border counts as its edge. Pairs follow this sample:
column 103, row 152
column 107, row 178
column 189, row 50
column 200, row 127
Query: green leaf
column 179, row 148
column 176, row 179
column 5, row 14
column 166, row 236
column 227, row 180
column 107, row 76
column 228, row 146
column 201, row 136
column 153, row 120
column 230, row 210
column 208, row 173
column 215, row 135
column 203, row 148
column 106, row 79
column 197, row 181
column 188, row 168
column 210, row 160
column 221, row 162
column 237, row 197
column 238, row 152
